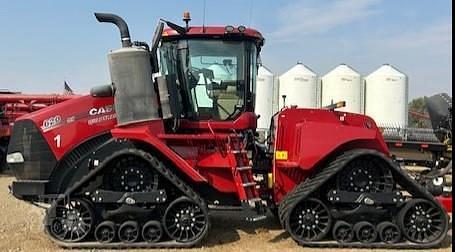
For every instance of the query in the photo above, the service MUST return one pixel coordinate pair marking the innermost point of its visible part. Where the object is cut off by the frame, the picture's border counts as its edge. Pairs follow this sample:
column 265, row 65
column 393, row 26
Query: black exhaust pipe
column 120, row 23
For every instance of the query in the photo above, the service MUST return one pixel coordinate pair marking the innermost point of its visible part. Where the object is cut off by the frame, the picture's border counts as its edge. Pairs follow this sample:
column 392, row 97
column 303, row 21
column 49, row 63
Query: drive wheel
column 71, row 221
column 309, row 220
column 422, row 222
column 128, row 232
column 365, row 174
column 389, row 232
column 131, row 174
column 342, row 232
column 365, row 232
column 152, row 231
column 185, row 221
column 105, row 232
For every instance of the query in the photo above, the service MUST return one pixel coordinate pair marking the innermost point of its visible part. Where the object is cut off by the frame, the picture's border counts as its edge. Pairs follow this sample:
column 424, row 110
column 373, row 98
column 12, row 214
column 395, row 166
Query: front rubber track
column 166, row 173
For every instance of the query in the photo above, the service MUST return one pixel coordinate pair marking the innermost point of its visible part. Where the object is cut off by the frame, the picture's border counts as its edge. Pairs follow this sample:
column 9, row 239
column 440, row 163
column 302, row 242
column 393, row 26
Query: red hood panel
column 69, row 123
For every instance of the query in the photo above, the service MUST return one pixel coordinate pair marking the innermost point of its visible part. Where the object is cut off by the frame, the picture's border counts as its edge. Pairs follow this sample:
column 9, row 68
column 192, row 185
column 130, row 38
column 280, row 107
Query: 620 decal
column 51, row 122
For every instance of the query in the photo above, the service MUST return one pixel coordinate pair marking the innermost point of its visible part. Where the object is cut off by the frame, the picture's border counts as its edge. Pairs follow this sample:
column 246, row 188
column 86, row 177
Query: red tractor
column 14, row 105
column 142, row 162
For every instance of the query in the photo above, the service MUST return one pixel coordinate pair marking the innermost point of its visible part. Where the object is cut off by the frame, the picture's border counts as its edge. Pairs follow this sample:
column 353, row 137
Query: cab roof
column 213, row 31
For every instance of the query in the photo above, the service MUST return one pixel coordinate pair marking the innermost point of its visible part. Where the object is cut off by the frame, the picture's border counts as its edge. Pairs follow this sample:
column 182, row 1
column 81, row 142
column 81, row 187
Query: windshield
column 212, row 75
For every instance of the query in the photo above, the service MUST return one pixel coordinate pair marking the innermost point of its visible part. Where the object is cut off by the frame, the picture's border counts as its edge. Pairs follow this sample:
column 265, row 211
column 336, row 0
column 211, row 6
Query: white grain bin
column 343, row 84
column 299, row 84
column 264, row 97
column 386, row 96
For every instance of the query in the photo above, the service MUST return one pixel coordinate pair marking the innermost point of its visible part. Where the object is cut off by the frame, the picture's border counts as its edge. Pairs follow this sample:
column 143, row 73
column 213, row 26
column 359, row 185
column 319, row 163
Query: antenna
column 203, row 17
column 251, row 13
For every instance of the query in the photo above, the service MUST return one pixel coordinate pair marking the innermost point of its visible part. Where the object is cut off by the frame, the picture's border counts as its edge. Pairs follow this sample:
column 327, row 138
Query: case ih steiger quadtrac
column 142, row 162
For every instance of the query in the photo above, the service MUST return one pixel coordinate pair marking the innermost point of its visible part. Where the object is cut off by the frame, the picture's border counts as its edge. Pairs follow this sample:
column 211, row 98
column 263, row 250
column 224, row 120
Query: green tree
column 417, row 106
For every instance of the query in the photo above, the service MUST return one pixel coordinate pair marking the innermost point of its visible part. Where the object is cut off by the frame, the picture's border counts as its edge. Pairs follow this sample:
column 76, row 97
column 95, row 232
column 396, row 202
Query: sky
column 44, row 43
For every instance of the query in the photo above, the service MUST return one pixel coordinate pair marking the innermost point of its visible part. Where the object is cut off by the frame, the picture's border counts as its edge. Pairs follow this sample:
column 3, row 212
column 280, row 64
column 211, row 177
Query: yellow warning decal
column 281, row 155
column 270, row 180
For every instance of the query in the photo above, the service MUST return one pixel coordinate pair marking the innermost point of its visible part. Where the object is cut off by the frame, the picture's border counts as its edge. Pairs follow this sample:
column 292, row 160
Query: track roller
column 128, row 232
column 422, row 222
column 389, row 232
column 152, row 231
column 309, row 220
column 105, row 232
column 365, row 232
column 342, row 232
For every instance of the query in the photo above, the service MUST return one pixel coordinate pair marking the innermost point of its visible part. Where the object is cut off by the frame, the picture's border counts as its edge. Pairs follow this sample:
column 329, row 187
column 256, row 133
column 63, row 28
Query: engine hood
column 69, row 123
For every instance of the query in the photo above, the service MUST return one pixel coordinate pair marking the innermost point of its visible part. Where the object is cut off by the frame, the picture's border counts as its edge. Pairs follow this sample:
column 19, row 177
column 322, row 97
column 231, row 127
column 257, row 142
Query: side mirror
column 103, row 91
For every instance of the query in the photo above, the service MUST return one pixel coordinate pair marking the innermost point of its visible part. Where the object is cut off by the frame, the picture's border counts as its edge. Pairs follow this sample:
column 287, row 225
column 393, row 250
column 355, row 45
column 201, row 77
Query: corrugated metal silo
column 264, row 97
column 299, row 84
column 386, row 96
column 343, row 84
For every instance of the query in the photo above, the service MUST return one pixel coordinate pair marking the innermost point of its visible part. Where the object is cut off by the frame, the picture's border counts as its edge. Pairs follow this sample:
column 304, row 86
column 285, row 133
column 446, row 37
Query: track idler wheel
column 342, row 232
column 389, row 232
column 422, row 222
column 105, row 232
column 365, row 232
column 71, row 221
column 309, row 220
column 128, row 232
column 185, row 221
column 152, row 231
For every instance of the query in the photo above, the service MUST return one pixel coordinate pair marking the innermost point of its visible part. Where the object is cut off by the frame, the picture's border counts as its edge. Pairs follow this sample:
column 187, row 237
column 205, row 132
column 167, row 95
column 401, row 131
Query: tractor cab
column 213, row 72
column 205, row 76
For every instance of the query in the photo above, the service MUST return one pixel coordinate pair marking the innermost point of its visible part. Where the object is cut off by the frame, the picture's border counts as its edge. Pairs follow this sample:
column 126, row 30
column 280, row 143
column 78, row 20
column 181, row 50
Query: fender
column 307, row 136
column 144, row 133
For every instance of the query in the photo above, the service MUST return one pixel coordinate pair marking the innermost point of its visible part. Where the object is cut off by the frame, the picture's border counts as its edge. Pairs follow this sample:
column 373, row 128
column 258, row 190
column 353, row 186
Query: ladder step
column 254, row 200
column 244, row 168
column 238, row 151
column 256, row 218
column 249, row 184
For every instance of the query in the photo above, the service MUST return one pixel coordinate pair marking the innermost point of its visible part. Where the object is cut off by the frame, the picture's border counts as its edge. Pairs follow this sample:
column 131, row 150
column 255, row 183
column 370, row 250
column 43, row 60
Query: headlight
column 14, row 158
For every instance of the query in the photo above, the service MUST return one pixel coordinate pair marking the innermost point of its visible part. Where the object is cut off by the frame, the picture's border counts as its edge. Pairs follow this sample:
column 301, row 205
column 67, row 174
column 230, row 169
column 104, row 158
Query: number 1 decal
column 57, row 140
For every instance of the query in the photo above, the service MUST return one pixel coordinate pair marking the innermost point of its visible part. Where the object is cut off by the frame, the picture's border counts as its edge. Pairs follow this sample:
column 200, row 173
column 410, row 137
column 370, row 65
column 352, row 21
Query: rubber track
column 310, row 185
column 165, row 172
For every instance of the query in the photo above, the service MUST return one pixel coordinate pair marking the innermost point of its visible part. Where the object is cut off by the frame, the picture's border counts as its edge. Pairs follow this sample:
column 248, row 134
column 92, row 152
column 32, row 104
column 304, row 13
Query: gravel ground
column 21, row 230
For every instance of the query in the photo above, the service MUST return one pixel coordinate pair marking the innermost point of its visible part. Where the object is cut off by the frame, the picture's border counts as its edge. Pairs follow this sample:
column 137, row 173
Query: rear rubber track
column 312, row 184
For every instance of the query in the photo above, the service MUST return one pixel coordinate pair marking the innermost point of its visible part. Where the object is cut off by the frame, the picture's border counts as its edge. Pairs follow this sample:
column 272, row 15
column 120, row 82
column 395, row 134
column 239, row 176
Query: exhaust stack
column 130, row 67
column 120, row 23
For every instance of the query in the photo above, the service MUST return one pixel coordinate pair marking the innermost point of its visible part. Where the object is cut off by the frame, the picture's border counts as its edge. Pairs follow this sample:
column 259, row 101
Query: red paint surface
column 201, row 153
column 73, row 132
column 311, row 135
column 15, row 105
column 199, row 31
column 446, row 202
